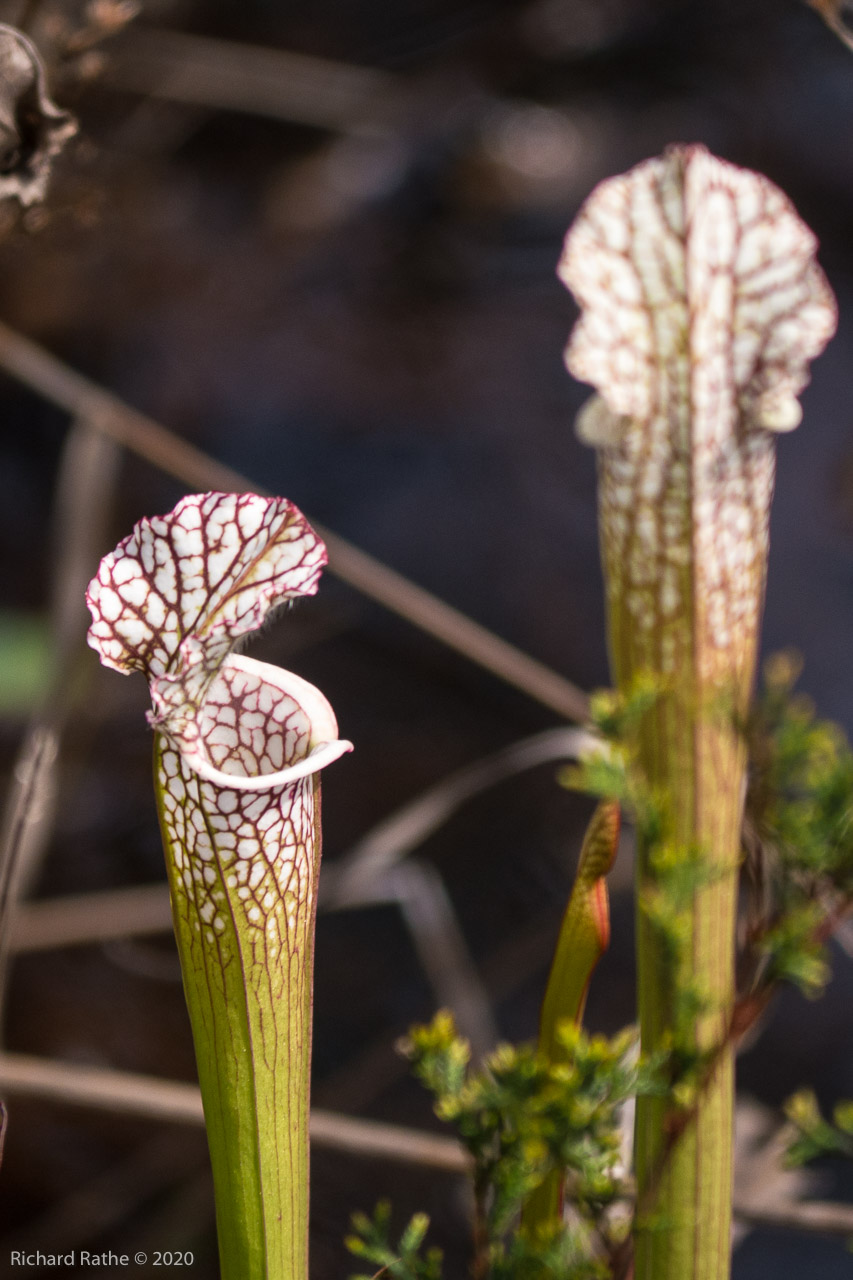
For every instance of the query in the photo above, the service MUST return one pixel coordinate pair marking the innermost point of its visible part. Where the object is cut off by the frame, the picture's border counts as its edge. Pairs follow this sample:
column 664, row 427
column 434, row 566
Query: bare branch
column 91, row 918
column 169, row 1100
column 409, row 826
column 83, row 495
column 36, row 367
column 227, row 76
column 824, row 1217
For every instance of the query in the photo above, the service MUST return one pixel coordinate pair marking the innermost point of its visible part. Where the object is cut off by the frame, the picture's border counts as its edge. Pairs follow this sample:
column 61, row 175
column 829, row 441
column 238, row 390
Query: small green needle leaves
column 371, row 1240
column 524, row 1119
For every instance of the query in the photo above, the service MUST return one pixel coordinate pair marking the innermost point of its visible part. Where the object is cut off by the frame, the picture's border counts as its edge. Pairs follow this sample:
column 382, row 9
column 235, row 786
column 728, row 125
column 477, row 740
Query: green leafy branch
column 797, row 838
column 371, row 1240
column 521, row 1118
column 526, row 1116
column 798, row 834
column 814, row 1136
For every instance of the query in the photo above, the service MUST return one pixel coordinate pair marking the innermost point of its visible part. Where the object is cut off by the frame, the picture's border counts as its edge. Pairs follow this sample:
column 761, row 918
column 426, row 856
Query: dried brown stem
column 171, row 1101
column 38, row 369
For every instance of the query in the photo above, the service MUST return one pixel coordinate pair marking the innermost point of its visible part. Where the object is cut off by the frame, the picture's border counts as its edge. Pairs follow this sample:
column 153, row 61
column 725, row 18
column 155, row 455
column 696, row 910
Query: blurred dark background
column 337, row 276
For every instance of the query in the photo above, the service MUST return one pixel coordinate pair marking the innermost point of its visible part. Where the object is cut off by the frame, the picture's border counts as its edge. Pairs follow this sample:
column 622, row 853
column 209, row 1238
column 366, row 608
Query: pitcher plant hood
column 173, row 599
column 701, row 307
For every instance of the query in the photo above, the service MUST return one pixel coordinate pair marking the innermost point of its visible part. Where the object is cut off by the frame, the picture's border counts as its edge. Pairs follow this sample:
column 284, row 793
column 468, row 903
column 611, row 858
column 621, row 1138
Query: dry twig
column 181, row 1103
column 84, row 399
column 171, row 1101
column 227, row 76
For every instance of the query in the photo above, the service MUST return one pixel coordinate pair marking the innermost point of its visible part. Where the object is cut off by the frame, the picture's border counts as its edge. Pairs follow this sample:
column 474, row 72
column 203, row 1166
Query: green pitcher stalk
column 237, row 752
column 701, row 306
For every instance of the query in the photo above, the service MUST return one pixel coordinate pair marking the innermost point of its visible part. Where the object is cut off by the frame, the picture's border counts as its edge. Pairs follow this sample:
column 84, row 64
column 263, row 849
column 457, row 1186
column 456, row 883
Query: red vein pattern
column 238, row 749
column 238, row 851
column 171, row 600
column 175, row 595
column 702, row 306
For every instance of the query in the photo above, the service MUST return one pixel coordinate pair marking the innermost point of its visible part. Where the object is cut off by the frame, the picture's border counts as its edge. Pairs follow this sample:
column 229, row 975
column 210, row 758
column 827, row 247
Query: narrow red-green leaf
column 584, row 937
